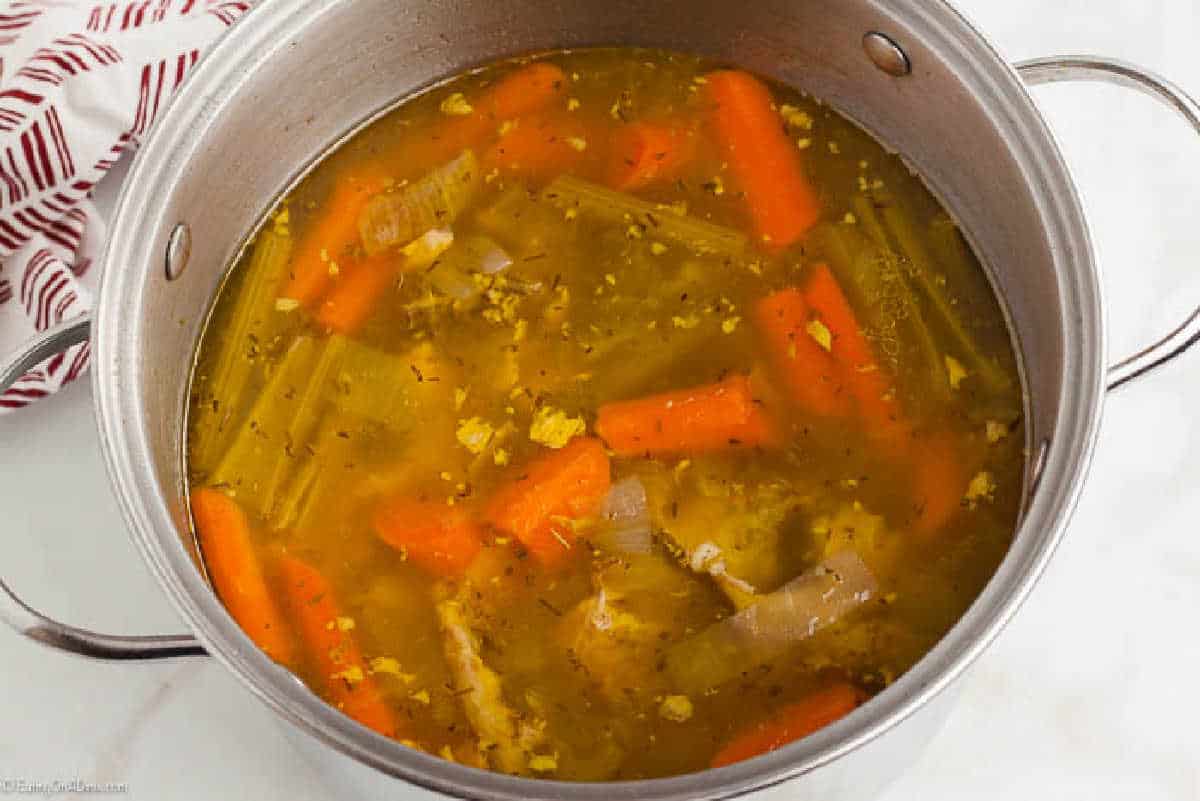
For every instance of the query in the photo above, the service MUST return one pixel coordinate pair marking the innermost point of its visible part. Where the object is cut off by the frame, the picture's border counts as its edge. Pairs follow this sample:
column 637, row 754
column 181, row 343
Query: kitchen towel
column 81, row 84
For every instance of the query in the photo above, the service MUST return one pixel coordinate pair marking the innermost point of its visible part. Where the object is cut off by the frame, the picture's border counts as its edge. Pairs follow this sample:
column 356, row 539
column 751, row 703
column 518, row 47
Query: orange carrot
column 542, row 145
column 783, row 204
column 554, row 489
column 327, row 238
column 869, row 383
column 694, row 420
column 521, row 92
column 794, row 722
column 645, row 152
column 224, row 534
column 350, row 304
column 808, row 373
column 939, row 483
column 333, row 651
column 441, row 539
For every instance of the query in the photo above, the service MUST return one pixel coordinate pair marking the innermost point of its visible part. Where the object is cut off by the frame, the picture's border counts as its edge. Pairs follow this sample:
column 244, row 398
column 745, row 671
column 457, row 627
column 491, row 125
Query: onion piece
column 626, row 500
column 495, row 260
column 619, row 208
column 426, row 248
column 437, row 198
column 798, row 609
column 766, row 629
column 455, row 272
column 624, row 524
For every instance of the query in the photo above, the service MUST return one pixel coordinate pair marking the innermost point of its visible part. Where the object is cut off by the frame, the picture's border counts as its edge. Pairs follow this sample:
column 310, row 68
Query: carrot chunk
column 542, row 145
column 869, row 383
column 441, row 539
column 807, row 371
column 939, row 483
column 233, row 566
column 695, row 420
column 332, row 648
column 782, row 203
column 521, row 92
column 794, row 722
column 351, row 303
column 644, row 153
column 554, row 489
column 327, row 238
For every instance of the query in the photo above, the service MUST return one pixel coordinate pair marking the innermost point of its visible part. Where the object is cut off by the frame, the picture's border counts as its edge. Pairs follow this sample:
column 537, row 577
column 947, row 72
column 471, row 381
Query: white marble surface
column 1089, row 694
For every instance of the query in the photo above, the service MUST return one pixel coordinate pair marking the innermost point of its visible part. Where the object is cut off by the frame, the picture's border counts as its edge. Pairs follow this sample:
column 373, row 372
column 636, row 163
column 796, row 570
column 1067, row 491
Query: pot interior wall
column 293, row 81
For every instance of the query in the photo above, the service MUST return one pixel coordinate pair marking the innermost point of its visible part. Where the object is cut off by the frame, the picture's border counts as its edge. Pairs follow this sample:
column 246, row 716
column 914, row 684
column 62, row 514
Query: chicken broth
column 604, row 415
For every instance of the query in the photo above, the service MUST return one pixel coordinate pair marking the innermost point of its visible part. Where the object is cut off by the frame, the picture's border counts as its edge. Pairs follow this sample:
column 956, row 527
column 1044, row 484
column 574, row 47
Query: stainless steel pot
column 288, row 82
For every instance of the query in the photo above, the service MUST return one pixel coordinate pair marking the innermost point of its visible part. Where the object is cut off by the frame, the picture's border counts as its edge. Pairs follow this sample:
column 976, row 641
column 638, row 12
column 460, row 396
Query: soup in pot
column 604, row 415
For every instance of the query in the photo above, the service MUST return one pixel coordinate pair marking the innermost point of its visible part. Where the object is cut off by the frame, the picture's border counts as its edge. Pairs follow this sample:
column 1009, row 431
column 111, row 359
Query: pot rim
column 153, row 524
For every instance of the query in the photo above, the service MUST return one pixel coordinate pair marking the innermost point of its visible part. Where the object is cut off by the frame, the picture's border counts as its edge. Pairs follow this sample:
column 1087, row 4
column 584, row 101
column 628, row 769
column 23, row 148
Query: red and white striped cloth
column 80, row 83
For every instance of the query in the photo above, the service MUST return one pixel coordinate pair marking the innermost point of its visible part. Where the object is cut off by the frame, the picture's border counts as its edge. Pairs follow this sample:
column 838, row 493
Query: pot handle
column 1056, row 69
column 26, row 620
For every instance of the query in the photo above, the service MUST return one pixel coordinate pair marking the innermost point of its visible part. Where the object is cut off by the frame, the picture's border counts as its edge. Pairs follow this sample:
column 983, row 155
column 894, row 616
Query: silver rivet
column 886, row 54
column 179, row 249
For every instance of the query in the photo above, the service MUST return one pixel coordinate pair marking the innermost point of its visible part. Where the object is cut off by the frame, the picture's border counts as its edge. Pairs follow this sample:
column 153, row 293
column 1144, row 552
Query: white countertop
column 1089, row 694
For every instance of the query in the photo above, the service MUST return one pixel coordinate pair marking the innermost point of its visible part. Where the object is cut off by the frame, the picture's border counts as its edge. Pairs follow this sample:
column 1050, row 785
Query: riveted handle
column 22, row 617
column 1059, row 69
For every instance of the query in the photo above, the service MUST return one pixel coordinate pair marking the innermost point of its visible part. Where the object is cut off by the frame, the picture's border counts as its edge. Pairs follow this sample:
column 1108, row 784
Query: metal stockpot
column 292, row 78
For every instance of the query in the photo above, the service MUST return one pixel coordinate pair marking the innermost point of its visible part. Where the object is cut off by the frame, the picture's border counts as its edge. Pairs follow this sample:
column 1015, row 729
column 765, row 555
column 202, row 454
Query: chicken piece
column 615, row 647
column 851, row 527
column 618, row 635
column 505, row 737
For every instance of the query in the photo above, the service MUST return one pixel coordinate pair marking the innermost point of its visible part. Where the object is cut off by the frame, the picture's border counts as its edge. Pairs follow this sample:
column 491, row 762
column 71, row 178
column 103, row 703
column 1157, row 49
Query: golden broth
column 416, row 482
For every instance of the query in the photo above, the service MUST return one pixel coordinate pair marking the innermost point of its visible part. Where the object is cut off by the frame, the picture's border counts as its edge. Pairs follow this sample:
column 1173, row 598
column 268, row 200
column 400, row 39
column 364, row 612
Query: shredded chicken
column 615, row 646
column 504, row 736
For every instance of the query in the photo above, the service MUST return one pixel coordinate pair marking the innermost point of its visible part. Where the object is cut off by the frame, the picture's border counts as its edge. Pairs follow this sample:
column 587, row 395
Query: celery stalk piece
column 278, row 426
column 872, row 276
column 628, row 366
column 864, row 210
column 515, row 206
column 252, row 323
column 631, row 355
column 300, row 490
column 377, row 386
column 311, row 405
column 261, row 438
column 290, row 423
column 950, row 251
column 649, row 219
column 911, row 244
column 433, row 201
column 318, row 477
column 530, row 229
